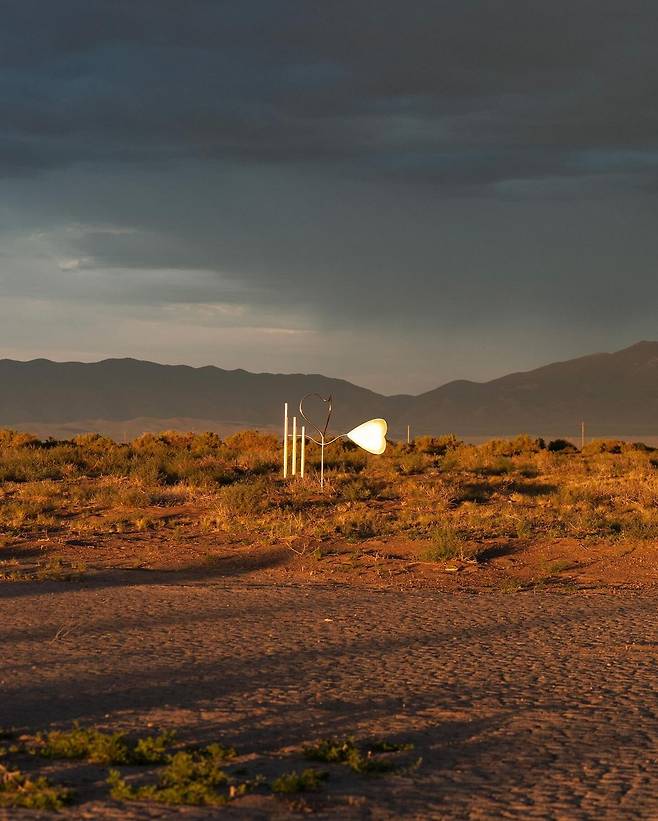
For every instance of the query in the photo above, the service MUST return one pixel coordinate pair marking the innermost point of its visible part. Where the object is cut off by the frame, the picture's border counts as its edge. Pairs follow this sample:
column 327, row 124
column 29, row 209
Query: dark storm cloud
column 463, row 94
column 477, row 176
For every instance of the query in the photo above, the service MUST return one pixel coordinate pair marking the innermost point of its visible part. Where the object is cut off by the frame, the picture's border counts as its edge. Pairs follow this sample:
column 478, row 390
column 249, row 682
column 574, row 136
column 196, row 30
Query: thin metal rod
column 294, row 445
column 285, row 441
column 327, row 441
column 335, row 439
column 322, row 462
column 302, row 457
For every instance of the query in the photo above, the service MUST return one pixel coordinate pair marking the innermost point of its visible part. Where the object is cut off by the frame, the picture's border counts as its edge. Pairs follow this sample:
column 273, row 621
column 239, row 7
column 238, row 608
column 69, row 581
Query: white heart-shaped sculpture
column 370, row 436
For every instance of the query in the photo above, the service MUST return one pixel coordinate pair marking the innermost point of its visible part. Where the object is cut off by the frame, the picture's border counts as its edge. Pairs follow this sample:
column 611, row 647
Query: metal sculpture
column 370, row 436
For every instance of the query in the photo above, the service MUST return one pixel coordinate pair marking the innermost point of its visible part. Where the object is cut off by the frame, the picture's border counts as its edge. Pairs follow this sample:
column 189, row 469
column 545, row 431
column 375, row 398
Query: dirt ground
column 505, row 564
column 526, row 681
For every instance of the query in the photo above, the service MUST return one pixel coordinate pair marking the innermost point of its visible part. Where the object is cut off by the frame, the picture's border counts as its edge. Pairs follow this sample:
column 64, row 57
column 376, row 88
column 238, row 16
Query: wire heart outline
column 327, row 400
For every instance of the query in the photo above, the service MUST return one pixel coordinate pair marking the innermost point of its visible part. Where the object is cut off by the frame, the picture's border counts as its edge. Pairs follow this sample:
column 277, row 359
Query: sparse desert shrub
column 358, row 490
column 518, row 446
column 597, row 446
column 641, row 447
column 308, row 780
column 411, row 464
column 557, row 566
column 191, row 778
column 102, row 748
column 358, row 524
column 446, row 544
column 19, row 790
column 494, row 466
column 561, row 446
column 112, row 493
column 245, row 498
column 590, row 494
column 93, row 442
column 16, row 439
column 32, row 464
column 477, row 492
column 523, row 528
column 250, row 440
column 91, row 484
column 344, row 460
column 437, row 445
column 258, row 453
column 528, row 471
column 330, row 750
column 362, row 759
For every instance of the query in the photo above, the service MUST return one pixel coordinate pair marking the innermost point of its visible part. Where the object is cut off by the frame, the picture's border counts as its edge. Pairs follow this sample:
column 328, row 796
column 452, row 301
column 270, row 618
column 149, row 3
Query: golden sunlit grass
column 451, row 497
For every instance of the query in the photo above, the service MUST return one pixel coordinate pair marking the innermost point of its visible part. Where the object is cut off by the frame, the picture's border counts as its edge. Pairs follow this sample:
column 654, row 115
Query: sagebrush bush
column 246, row 498
column 437, row 445
column 446, row 544
column 514, row 488
column 561, row 446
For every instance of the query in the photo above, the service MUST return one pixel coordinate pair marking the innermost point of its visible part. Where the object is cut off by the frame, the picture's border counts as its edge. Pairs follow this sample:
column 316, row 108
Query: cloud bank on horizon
column 394, row 193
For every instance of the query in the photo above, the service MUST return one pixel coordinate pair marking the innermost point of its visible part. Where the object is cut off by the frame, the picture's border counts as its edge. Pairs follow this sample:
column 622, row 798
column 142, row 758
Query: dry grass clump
column 451, row 495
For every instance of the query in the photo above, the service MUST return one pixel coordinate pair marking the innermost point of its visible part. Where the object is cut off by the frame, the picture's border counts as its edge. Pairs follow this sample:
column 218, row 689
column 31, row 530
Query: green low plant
column 19, row 790
column 390, row 747
column 102, row 748
column 330, row 750
column 190, row 777
column 446, row 544
column 245, row 498
column 346, row 751
column 308, row 780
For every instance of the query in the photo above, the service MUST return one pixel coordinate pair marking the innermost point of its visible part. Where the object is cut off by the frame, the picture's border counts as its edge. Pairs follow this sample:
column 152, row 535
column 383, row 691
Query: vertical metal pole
column 285, row 441
column 408, row 434
column 303, row 453
column 322, row 461
column 582, row 435
column 294, row 445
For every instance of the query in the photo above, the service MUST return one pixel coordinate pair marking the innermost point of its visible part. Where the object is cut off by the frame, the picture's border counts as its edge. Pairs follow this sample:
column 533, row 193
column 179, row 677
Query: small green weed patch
column 330, row 750
column 19, row 790
column 362, row 760
column 98, row 747
column 446, row 544
column 189, row 778
column 308, row 780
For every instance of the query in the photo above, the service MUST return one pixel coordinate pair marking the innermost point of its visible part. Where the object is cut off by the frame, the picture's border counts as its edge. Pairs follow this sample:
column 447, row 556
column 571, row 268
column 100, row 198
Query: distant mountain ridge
column 615, row 393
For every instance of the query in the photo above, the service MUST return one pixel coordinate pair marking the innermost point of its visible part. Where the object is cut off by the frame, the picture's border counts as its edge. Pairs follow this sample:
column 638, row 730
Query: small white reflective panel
column 370, row 436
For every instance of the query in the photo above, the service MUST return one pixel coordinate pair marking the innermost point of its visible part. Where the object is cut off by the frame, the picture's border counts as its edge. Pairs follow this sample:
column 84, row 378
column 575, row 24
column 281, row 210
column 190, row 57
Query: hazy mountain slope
column 613, row 393
column 44, row 391
column 616, row 394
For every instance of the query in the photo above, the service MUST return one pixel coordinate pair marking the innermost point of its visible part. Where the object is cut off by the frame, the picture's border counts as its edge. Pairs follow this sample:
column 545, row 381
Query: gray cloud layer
column 476, row 178
column 462, row 93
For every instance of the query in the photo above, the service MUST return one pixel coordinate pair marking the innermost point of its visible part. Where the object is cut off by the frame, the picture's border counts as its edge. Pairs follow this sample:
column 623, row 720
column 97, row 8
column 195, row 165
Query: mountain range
column 616, row 394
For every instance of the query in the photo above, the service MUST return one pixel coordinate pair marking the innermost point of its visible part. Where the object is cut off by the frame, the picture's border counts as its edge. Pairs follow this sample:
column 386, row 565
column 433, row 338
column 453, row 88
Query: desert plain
column 448, row 631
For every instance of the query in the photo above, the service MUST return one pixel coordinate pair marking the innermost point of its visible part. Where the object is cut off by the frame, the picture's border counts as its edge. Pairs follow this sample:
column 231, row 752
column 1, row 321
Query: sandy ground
column 527, row 705
column 393, row 562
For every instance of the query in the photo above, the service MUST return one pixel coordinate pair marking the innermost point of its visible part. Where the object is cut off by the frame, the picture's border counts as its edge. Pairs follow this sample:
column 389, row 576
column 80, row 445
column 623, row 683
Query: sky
column 394, row 193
